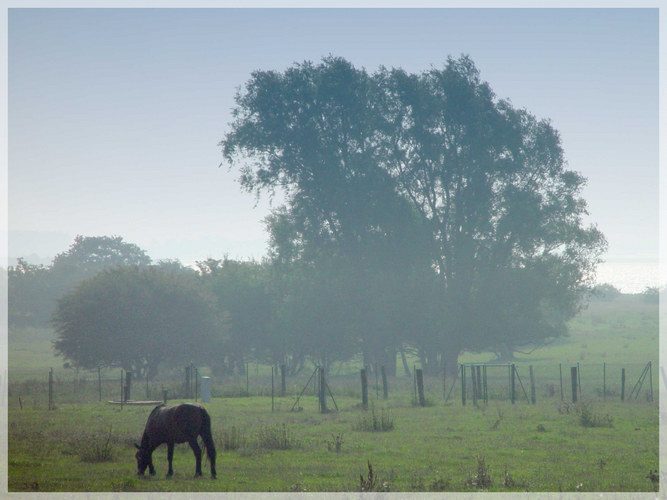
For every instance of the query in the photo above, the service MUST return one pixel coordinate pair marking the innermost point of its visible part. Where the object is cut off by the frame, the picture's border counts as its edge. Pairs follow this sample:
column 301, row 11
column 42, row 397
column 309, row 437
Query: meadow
column 598, row 444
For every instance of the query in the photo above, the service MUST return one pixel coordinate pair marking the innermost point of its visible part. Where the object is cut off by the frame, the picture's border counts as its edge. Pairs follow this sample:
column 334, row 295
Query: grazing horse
column 176, row 424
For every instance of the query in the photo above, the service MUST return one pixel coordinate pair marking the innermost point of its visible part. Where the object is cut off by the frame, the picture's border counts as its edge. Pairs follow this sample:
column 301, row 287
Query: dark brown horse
column 176, row 424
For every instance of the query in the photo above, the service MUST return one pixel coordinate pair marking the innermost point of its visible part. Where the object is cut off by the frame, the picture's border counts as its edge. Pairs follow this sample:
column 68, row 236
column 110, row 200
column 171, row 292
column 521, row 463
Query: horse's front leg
column 197, row 451
column 170, row 457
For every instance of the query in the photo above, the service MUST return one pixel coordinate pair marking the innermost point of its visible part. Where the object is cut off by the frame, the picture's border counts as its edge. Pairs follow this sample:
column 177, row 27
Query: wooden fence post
column 99, row 382
column 604, row 381
column 486, row 386
column 364, row 389
column 473, row 379
column 463, row 384
column 650, row 379
column 573, row 376
column 128, row 386
column 513, row 383
column 414, row 384
column 51, row 389
column 622, row 384
column 196, row 384
column 532, row 384
column 560, row 371
column 164, row 395
column 283, row 385
column 323, row 393
column 385, row 387
column 420, row 387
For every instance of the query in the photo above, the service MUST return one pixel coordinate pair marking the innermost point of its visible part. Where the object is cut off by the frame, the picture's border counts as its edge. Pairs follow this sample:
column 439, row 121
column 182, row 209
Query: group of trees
column 34, row 289
column 447, row 209
column 422, row 213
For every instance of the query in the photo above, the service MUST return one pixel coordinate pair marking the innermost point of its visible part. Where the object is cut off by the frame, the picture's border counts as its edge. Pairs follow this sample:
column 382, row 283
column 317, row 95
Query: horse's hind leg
column 197, row 451
column 170, row 456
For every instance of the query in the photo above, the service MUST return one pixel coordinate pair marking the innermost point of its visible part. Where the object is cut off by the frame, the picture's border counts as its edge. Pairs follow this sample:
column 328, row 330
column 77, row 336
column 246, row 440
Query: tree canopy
column 136, row 318
column 33, row 290
column 393, row 173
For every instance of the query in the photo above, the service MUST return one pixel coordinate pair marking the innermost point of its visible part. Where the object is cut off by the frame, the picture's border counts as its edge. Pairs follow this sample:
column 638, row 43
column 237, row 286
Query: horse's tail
column 208, row 439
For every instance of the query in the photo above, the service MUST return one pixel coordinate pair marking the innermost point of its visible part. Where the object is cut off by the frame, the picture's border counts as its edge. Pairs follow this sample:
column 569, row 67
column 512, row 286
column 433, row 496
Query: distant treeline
column 111, row 306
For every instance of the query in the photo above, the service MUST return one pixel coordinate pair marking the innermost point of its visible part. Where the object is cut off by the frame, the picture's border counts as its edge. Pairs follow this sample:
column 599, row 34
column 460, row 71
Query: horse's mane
column 145, row 439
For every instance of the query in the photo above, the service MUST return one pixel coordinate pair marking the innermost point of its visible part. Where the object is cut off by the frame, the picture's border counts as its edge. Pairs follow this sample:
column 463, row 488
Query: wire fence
column 475, row 384
column 571, row 382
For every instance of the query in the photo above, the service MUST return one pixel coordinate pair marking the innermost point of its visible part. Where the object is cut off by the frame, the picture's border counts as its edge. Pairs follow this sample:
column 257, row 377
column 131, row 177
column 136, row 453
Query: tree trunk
column 151, row 372
column 450, row 359
column 506, row 353
column 389, row 361
column 408, row 373
column 366, row 360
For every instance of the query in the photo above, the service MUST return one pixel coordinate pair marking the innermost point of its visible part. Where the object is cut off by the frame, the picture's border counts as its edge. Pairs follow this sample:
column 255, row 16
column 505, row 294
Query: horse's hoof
column 169, row 476
column 213, row 476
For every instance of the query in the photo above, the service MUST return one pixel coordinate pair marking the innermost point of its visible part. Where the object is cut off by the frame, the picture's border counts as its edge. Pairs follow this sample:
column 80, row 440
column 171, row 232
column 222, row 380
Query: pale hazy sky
column 115, row 115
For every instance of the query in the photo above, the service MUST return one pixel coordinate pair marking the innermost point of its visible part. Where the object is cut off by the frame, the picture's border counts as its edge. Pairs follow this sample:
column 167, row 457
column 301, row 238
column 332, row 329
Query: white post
column 205, row 389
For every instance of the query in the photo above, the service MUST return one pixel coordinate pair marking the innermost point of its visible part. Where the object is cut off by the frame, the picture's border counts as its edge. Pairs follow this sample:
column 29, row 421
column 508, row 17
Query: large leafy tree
column 313, row 131
column 429, row 178
column 514, row 255
column 243, row 295
column 137, row 318
column 31, row 295
column 88, row 255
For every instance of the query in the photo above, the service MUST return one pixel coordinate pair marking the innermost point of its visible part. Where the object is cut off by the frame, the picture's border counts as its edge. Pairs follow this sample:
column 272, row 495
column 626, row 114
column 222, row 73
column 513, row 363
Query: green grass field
column 524, row 448
column 599, row 444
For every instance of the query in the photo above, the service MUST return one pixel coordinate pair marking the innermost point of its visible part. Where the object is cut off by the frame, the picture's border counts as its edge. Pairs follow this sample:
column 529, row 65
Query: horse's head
column 143, row 457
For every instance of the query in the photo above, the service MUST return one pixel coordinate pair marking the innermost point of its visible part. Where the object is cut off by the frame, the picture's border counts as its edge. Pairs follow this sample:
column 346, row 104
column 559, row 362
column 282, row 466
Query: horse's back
column 176, row 423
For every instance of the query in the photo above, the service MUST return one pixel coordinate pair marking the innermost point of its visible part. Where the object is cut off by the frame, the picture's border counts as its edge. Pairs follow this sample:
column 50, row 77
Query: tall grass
column 95, row 447
column 374, row 422
column 276, row 437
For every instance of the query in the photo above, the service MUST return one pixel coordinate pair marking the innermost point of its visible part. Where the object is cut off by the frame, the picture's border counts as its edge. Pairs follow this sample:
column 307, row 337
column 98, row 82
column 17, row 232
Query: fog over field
column 387, row 250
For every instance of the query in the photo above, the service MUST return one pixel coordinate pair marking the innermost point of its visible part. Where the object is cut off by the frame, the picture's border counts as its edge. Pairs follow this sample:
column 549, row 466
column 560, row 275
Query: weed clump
column 586, row 414
column 375, row 423
column 481, row 478
column 590, row 418
column 439, row 484
column 336, row 443
column 372, row 481
column 95, row 448
column 232, row 439
column 276, row 437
